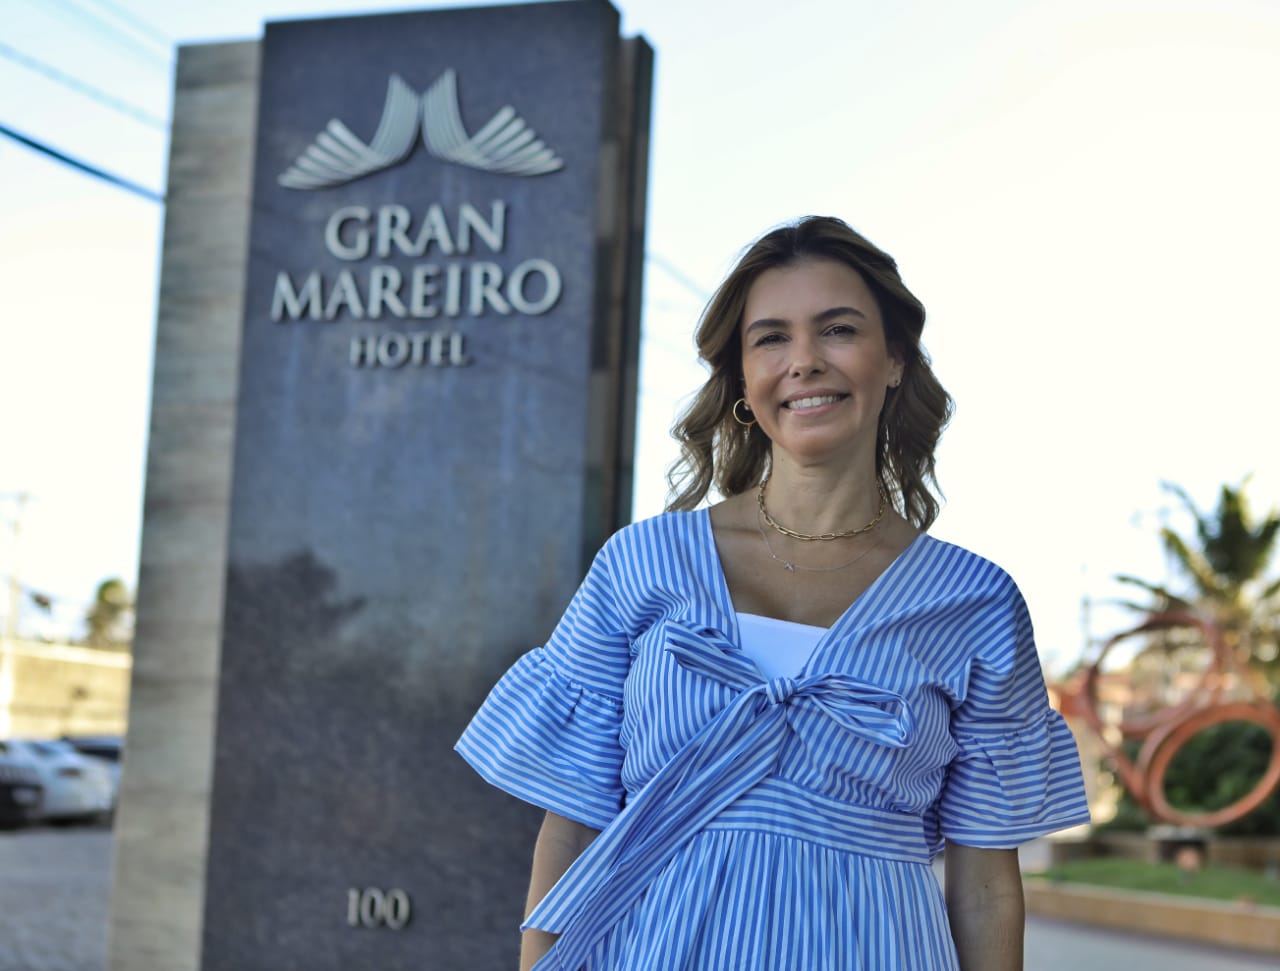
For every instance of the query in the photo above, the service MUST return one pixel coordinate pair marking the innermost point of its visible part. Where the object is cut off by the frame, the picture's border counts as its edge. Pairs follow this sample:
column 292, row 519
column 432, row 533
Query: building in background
column 50, row 690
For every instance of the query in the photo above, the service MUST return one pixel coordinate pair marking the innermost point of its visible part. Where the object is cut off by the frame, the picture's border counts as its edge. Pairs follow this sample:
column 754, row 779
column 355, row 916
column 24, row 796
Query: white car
column 75, row 786
column 108, row 750
column 20, row 791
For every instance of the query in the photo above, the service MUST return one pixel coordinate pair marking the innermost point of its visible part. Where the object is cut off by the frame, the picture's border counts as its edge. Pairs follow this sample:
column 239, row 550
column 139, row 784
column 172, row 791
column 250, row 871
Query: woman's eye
column 773, row 338
column 842, row 330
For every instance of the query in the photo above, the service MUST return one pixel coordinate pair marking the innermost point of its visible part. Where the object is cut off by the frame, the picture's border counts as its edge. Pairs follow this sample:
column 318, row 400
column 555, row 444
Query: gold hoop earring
column 734, row 412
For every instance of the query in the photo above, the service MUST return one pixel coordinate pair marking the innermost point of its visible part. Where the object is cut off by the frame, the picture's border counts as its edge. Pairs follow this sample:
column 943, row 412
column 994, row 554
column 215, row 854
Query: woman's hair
column 718, row 451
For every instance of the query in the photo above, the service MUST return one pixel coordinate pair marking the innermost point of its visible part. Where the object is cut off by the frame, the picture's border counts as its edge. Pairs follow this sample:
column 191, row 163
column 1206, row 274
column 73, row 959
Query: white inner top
column 780, row 648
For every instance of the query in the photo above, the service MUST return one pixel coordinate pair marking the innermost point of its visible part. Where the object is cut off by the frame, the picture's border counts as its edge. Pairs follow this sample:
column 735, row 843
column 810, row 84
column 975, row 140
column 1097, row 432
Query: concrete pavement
column 55, row 885
column 1054, row 946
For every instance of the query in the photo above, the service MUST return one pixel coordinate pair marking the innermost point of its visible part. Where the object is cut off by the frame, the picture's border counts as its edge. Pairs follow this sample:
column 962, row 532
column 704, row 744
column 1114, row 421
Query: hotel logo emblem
column 504, row 144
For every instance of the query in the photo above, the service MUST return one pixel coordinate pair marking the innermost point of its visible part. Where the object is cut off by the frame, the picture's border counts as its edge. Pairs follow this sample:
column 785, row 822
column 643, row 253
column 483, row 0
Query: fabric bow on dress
column 733, row 752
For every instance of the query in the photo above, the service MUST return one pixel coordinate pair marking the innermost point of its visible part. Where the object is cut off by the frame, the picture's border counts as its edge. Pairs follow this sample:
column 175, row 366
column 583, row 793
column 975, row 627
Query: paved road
column 1056, row 946
column 54, row 885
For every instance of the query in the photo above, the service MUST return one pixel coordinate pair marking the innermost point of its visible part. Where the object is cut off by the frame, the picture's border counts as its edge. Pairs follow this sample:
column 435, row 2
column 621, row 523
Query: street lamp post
column 19, row 500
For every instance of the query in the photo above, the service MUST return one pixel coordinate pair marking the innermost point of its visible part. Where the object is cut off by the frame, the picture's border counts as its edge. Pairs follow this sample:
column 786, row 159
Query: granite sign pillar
column 433, row 422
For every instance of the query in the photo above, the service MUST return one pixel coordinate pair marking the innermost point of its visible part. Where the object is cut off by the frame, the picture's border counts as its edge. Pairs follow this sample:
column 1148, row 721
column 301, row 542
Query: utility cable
column 122, row 39
column 82, row 87
column 673, row 271
column 136, row 22
column 85, row 167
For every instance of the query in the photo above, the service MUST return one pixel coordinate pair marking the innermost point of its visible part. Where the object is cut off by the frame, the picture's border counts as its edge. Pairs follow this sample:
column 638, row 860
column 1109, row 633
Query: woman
column 757, row 723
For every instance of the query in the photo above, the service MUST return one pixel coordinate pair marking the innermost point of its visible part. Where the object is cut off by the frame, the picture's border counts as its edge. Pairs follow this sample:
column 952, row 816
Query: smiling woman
column 868, row 298
column 758, row 722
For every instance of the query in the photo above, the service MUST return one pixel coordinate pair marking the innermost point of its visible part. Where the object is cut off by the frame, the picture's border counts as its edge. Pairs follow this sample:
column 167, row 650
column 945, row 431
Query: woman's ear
column 897, row 367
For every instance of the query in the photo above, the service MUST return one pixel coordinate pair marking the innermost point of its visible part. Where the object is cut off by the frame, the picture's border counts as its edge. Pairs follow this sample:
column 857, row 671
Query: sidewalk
column 54, row 890
column 1055, row 946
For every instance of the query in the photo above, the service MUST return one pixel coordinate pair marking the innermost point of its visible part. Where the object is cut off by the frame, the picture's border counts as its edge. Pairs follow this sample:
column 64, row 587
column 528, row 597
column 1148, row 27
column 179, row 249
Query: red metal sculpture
column 1225, row 692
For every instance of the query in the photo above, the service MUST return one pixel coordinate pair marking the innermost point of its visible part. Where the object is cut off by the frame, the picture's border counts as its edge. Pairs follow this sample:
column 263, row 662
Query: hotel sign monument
column 388, row 432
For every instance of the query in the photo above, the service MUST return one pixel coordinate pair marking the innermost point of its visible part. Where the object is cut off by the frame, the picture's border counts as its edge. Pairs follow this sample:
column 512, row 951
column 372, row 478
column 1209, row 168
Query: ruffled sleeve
column 548, row 731
column 1017, row 775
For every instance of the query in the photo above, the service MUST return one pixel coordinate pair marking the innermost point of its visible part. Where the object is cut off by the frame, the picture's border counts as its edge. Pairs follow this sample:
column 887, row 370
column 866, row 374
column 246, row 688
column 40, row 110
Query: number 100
column 372, row 907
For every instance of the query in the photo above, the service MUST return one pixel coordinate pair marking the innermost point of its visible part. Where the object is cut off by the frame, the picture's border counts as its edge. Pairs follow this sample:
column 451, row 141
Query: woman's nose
column 805, row 358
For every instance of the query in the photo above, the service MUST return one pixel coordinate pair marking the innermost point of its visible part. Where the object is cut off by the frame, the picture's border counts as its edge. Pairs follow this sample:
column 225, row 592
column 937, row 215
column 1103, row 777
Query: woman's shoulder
column 672, row 529
column 970, row 604
column 959, row 567
column 657, row 563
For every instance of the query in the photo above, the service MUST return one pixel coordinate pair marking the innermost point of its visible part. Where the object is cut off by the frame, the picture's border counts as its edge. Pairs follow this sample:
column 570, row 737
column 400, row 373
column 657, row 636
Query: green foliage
column 1130, row 817
column 1224, row 565
column 1219, row 766
column 1215, row 768
column 107, row 621
column 1212, row 882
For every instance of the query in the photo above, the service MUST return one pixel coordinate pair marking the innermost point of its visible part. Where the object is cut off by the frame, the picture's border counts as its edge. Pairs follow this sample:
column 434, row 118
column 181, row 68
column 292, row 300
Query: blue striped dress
column 782, row 823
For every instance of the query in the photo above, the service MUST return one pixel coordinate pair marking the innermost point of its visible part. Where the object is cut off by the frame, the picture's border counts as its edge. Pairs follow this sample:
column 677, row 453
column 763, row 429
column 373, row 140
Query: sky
column 1082, row 193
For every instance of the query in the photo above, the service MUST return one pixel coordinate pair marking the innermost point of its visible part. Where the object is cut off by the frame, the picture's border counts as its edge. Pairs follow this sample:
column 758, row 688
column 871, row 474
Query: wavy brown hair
column 717, row 451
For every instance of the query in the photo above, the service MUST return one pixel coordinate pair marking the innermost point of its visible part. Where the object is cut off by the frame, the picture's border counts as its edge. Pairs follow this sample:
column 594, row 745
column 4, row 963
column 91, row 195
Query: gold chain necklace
column 821, row 536
column 792, row 567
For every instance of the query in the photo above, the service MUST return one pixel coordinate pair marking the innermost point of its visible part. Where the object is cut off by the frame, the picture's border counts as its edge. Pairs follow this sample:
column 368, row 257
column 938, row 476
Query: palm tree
column 108, row 621
column 1226, row 564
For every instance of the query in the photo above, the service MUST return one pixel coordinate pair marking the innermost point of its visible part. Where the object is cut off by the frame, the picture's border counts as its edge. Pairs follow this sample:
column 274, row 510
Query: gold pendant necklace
column 792, row 567
column 809, row 537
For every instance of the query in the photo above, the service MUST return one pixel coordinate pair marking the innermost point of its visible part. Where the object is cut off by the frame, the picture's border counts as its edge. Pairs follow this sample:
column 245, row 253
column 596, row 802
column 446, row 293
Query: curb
column 1250, row 927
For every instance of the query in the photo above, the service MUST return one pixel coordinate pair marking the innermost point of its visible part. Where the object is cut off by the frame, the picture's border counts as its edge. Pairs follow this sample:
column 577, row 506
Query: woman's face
column 815, row 362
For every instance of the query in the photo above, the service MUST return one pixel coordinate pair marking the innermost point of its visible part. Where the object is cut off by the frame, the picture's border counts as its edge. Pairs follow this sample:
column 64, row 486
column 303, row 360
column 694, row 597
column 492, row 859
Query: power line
column 109, row 29
column 673, row 271
column 136, row 22
column 82, row 87
column 85, row 167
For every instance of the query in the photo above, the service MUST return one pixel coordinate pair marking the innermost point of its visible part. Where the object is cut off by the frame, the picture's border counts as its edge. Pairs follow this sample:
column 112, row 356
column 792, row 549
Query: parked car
column 76, row 787
column 21, row 792
column 107, row 749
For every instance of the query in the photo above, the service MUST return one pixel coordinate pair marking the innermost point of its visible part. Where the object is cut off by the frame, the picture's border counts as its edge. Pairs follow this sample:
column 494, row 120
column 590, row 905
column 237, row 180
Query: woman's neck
column 822, row 499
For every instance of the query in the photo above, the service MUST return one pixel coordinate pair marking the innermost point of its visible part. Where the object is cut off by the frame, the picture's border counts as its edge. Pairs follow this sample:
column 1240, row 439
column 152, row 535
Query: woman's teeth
column 802, row 403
